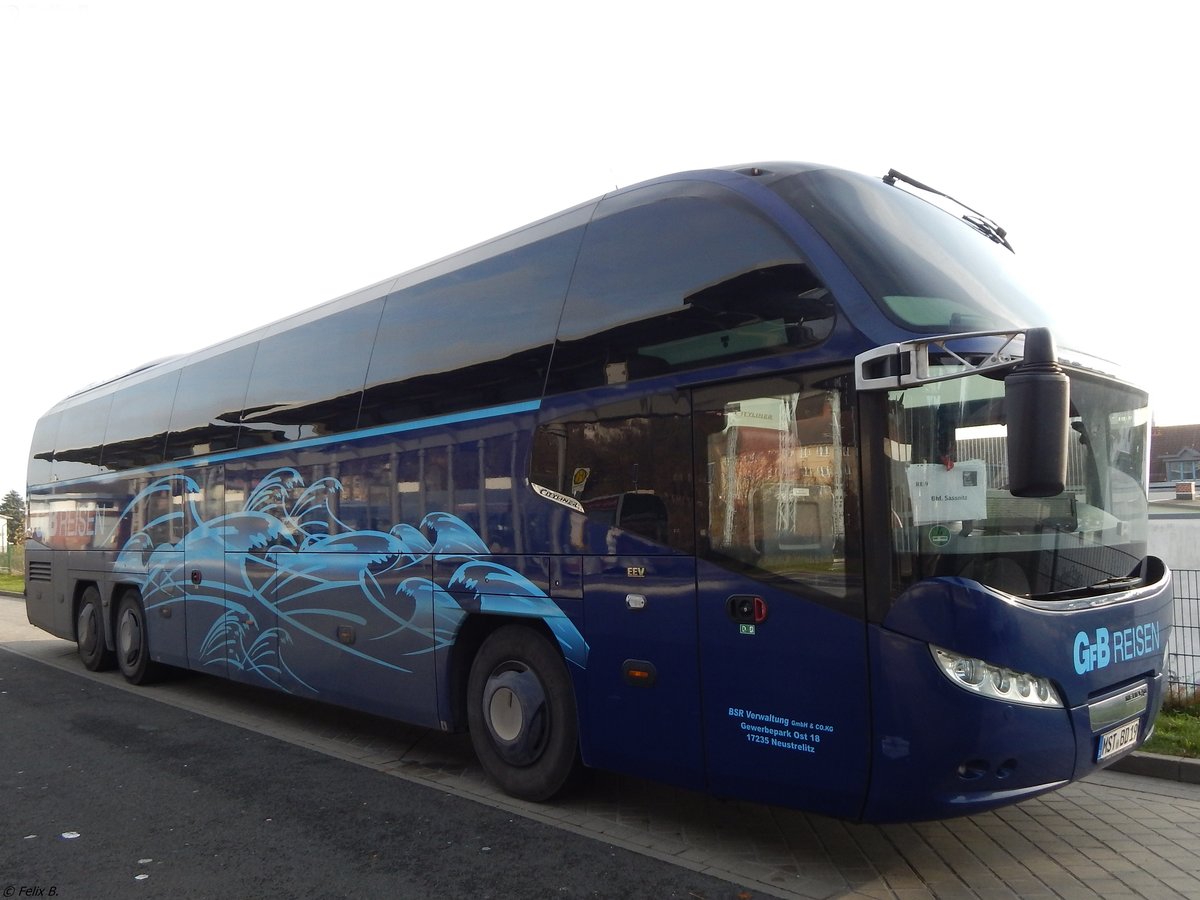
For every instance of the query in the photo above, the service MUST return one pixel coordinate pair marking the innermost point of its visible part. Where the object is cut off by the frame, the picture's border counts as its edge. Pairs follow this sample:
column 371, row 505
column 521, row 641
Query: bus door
column 230, row 629
column 150, row 540
column 781, row 631
column 209, row 628
column 643, row 684
column 626, row 465
column 164, row 597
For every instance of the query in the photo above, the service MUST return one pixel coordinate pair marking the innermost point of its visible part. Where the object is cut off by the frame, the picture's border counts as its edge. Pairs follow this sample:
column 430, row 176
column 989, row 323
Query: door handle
column 746, row 609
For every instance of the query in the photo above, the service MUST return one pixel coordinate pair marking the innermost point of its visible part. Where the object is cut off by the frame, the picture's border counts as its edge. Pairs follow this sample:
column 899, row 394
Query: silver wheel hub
column 129, row 635
column 516, row 714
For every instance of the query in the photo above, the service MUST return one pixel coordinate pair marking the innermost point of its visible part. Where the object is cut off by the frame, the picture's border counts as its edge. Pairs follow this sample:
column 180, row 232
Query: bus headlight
column 996, row 682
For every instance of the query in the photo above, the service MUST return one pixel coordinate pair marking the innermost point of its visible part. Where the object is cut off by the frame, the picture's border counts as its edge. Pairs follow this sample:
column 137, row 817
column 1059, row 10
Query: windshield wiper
column 977, row 220
column 1107, row 586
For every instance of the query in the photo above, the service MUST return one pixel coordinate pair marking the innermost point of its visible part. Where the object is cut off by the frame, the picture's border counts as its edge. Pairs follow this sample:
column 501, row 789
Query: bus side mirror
column 1037, row 403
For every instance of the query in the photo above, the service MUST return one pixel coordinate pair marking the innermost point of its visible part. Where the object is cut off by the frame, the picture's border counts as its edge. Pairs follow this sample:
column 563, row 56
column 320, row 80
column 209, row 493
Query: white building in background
column 3, row 533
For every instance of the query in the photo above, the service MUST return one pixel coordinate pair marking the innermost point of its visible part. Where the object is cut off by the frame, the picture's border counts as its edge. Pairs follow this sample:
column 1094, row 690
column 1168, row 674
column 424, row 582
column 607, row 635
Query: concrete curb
column 1156, row 765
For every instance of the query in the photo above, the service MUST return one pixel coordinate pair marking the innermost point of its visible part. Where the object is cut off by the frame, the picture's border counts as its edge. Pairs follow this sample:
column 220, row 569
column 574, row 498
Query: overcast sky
column 174, row 173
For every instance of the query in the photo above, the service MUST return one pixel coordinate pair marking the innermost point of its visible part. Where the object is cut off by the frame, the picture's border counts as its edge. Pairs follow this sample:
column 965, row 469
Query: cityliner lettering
column 1096, row 651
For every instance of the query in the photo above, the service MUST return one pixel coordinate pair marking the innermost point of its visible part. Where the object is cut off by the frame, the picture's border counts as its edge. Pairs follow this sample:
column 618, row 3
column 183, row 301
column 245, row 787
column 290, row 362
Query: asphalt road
column 104, row 793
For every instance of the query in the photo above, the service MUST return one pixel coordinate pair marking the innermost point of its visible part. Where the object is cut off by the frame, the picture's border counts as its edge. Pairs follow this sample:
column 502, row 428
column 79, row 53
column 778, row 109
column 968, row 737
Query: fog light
column 996, row 682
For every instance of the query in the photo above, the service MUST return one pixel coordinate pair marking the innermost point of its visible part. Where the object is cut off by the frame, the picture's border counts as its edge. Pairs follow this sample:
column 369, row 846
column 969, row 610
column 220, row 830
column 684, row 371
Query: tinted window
column 474, row 337
column 137, row 426
column 674, row 276
column 473, row 480
column 80, row 442
column 627, row 465
column 41, row 451
column 209, row 403
column 307, row 381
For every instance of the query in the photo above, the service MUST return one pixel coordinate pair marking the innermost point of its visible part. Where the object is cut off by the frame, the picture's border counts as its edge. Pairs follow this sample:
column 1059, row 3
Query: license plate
column 1121, row 737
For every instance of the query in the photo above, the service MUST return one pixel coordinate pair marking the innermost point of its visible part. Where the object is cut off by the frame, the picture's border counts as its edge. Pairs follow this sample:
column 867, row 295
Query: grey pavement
column 1165, row 505
column 1113, row 835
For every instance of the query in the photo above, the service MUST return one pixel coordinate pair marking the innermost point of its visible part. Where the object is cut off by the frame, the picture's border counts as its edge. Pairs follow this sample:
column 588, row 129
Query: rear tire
column 133, row 646
column 521, row 713
column 89, row 632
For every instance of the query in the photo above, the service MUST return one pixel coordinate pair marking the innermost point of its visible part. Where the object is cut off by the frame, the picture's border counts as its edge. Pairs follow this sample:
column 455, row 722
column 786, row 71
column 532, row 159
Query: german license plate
column 1121, row 737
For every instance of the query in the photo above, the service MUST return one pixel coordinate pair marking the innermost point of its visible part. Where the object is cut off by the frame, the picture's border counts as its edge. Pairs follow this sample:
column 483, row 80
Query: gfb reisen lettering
column 1095, row 651
column 780, row 732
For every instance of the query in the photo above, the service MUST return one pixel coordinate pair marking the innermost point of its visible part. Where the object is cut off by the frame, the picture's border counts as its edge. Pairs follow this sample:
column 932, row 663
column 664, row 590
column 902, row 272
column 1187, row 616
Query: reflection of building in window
column 766, row 506
column 1174, row 453
column 1185, row 467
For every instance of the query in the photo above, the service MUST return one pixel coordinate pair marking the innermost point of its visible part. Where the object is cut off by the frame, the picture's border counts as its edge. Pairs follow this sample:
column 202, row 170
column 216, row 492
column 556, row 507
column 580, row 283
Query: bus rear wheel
column 89, row 632
column 521, row 714
column 133, row 647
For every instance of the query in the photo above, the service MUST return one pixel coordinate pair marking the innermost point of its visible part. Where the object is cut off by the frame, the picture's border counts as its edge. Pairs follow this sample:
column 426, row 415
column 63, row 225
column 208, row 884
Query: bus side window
column 138, row 435
column 627, row 468
column 41, row 453
column 308, row 379
column 208, row 403
column 479, row 335
column 80, row 441
column 776, row 462
column 669, row 282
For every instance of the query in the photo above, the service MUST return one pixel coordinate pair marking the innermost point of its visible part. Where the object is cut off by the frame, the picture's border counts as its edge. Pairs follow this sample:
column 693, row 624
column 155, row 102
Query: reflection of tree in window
column 764, row 508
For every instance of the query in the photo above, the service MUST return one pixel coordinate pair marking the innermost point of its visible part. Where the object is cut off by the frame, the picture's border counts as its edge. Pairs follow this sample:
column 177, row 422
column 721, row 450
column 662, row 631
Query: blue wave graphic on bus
column 285, row 569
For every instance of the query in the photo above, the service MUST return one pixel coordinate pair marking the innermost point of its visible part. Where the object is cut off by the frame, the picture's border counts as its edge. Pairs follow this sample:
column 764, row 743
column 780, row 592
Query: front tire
column 133, row 646
column 521, row 713
column 89, row 632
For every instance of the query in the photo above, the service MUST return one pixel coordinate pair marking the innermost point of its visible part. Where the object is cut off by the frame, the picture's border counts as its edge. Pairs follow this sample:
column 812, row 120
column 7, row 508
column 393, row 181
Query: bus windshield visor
column 951, row 512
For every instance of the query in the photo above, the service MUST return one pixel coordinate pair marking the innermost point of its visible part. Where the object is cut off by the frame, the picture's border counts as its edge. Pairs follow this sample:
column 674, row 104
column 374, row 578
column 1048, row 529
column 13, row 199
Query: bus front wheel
column 89, row 632
column 133, row 648
column 521, row 714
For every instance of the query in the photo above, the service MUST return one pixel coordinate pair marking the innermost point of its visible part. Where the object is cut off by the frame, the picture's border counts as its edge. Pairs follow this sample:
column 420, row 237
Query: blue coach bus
column 764, row 481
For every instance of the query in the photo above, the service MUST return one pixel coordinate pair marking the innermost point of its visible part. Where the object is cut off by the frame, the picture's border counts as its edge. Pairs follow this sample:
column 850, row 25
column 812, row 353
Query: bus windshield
column 952, row 514
column 927, row 270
